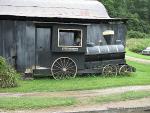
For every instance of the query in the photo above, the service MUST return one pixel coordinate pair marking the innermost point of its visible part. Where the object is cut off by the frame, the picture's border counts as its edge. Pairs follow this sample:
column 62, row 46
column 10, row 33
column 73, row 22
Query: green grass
column 141, row 77
column 132, row 54
column 132, row 95
column 12, row 103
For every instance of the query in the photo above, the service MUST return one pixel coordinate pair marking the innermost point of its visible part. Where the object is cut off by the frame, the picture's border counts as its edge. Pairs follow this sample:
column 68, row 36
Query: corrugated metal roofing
column 80, row 9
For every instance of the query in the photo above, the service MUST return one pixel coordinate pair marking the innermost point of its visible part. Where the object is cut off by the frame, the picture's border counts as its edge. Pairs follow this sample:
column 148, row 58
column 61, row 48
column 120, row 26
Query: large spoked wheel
column 64, row 68
column 125, row 70
column 109, row 70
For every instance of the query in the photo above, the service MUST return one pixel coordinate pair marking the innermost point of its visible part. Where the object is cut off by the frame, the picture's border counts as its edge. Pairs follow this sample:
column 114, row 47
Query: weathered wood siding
column 17, row 38
column 25, row 34
column 94, row 32
column 120, row 32
column 7, row 40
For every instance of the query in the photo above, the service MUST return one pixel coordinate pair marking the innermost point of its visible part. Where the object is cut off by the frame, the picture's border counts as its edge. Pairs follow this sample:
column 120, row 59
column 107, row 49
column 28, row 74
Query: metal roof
column 80, row 9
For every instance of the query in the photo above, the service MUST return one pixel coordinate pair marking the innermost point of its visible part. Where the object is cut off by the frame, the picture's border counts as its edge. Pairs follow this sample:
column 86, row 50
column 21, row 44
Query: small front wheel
column 64, row 68
column 109, row 70
column 125, row 70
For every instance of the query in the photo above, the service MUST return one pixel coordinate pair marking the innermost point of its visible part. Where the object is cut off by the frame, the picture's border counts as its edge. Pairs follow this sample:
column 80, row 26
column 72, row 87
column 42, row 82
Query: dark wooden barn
column 29, row 29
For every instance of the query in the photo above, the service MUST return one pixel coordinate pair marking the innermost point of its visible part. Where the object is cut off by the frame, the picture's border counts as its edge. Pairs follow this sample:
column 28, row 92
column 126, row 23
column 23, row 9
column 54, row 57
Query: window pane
column 66, row 38
column 70, row 38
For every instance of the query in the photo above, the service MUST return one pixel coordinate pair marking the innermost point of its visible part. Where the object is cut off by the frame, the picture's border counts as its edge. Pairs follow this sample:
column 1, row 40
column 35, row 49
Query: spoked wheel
column 109, row 70
column 64, row 68
column 125, row 70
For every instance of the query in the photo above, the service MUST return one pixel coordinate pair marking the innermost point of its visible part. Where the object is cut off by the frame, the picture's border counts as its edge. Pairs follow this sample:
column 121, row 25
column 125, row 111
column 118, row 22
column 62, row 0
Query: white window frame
column 69, row 30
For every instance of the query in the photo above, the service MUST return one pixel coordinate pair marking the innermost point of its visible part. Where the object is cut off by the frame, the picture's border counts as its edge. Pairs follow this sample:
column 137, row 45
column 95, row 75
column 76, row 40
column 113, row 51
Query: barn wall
column 120, row 32
column 7, row 40
column 17, row 43
column 30, row 44
column 25, row 35
column 94, row 32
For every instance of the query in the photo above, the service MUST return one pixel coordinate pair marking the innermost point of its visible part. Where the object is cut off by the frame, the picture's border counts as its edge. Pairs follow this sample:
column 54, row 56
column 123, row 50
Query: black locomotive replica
column 74, row 55
column 62, row 38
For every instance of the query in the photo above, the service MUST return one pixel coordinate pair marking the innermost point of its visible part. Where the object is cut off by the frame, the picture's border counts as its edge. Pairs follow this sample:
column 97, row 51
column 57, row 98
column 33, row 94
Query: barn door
column 43, row 51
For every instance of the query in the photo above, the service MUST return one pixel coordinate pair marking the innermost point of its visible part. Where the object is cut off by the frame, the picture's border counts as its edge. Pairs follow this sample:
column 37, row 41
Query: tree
column 138, row 12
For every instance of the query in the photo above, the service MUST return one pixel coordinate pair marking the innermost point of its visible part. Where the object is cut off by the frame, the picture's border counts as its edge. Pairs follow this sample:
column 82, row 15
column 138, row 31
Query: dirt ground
column 80, row 94
column 86, row 108
column 84, row 95
column 137, row 60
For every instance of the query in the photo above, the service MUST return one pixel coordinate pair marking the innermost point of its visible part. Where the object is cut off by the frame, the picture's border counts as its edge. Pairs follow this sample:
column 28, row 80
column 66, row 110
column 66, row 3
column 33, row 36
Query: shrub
column 137, row 45
column 137, row 34
column 8, row 76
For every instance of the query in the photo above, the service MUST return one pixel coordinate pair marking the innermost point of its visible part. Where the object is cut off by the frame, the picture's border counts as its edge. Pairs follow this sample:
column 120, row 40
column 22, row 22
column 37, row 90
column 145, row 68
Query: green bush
column 8, row 76
column 137, row 45
column 137, row 34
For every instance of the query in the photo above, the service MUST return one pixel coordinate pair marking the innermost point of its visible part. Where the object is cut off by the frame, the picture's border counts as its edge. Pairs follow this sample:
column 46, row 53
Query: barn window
column 69, row 38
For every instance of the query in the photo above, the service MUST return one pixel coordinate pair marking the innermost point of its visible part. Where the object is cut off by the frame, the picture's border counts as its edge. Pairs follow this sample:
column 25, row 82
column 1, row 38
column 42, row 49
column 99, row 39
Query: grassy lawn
column 12, row 103
column 132, row 95
column 130, row 53
column 141, row 77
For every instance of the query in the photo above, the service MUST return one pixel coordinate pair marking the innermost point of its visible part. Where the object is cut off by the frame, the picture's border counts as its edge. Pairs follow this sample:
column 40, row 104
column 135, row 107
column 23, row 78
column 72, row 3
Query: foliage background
column 138, row 12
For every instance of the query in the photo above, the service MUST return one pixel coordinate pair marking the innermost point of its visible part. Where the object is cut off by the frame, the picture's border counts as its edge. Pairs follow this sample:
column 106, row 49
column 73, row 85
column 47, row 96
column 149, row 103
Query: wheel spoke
column 70, row 67
column 70, row 76
column 62, row 62
column 69, row 64
column 59, row 64
column 124, row 70
column 58, row 76
column 71, row 70
column 58, row 72
column 57, row 67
